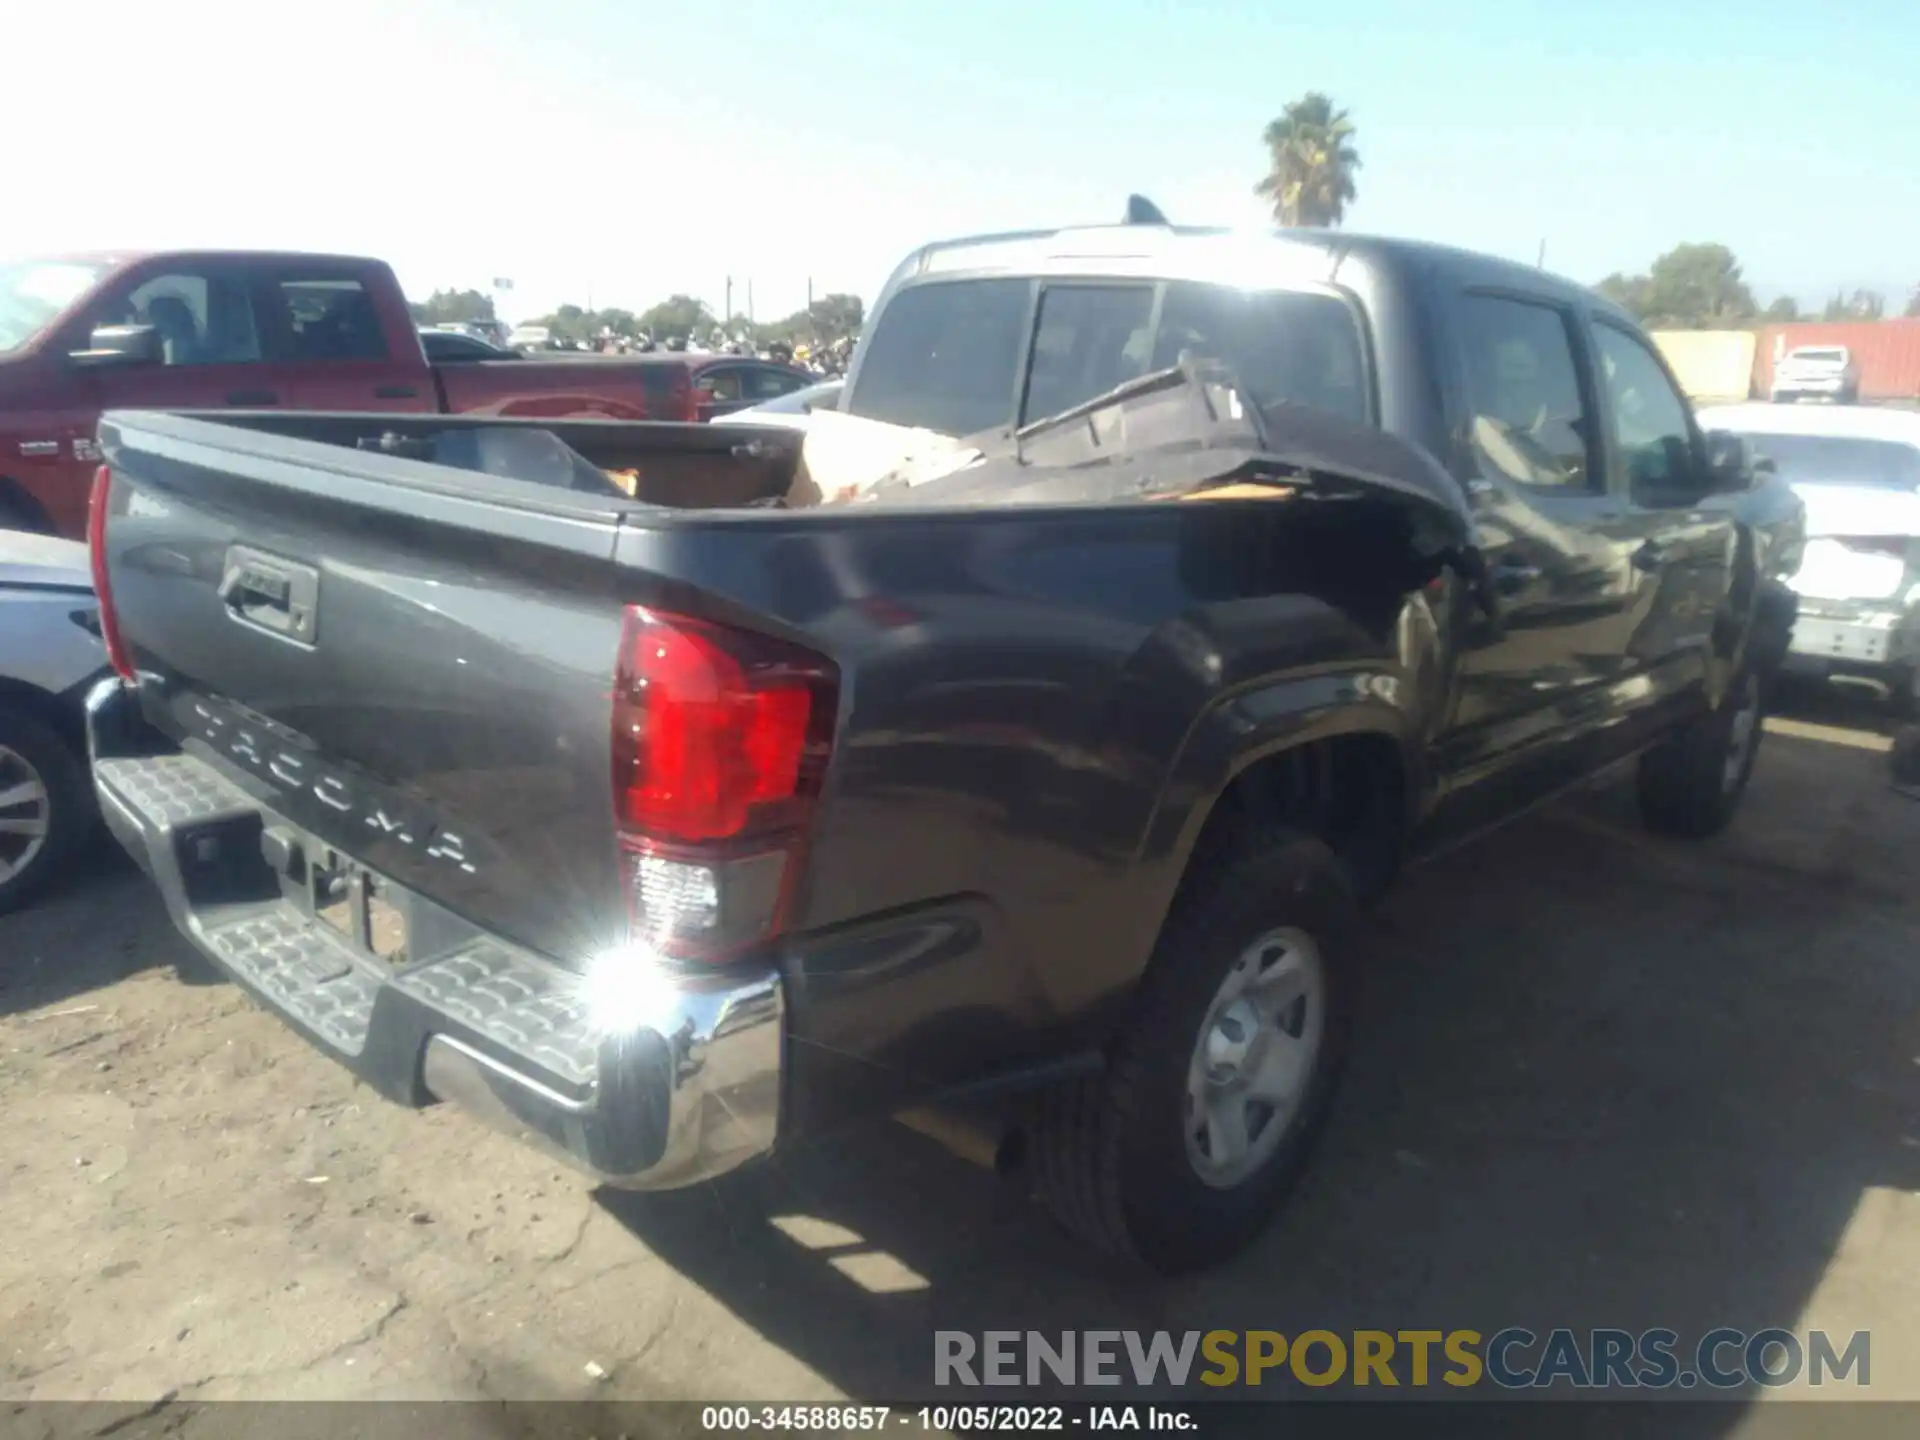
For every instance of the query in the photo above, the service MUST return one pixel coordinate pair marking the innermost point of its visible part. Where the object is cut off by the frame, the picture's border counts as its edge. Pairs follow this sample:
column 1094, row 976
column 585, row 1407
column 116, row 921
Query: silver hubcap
column 1746, row 729
column 1255, row 1056
column 24, row 813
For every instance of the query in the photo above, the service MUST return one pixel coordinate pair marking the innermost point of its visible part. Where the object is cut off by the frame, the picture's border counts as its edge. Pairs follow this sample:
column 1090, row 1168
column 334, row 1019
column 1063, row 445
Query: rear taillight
column 720, row 741
column 103, row 591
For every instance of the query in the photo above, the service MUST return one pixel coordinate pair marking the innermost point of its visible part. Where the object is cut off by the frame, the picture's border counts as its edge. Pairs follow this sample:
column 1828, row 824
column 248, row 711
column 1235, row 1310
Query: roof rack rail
column 1142, row 211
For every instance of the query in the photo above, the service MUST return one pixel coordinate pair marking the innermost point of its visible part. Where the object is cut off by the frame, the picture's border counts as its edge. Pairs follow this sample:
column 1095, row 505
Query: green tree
column 1627, row 291
column 452, row 307
column 1310, row 163
column 1691, row 287
column 832, row 317
column 1861, row 305
column 1783, row 311
column 1913, row 304
column 836, row 317
column 680, row 315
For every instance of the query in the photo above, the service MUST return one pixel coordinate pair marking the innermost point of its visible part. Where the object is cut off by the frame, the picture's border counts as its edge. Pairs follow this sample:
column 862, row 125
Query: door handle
column 1650, row 556
column 1512, row 576
column 252, row 397
column 395, row 392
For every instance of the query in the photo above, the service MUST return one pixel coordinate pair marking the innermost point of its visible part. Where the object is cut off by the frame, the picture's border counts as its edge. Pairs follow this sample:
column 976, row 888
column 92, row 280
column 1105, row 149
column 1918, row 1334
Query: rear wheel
column 44, row 810
column 1904, row 694
column 1691, row 784
column 1905, row 759
column 1219, row 1086
column 20, row 514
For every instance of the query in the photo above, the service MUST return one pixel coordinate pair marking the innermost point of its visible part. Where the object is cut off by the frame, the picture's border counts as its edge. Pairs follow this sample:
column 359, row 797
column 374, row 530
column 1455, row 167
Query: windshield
column 34, row 292
column 1820, row 357
column 1842, row 460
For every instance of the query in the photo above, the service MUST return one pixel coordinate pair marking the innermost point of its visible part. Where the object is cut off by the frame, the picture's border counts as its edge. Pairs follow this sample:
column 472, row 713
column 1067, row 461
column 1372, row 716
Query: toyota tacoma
column 673, row 822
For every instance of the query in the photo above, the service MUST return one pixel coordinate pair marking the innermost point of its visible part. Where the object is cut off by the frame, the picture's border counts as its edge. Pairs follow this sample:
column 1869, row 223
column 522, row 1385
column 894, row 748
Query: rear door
column 320, row 321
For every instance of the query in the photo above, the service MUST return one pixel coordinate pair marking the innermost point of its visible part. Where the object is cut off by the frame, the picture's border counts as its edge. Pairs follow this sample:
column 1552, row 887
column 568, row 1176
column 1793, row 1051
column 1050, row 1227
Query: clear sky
column 631, row 148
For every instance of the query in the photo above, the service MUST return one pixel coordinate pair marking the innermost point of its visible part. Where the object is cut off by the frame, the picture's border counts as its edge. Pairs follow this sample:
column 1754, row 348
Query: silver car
column 50, row 656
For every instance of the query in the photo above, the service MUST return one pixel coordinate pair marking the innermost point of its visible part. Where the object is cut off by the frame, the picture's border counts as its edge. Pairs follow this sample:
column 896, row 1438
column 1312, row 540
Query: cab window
column 1652, row 441
column 203, row 315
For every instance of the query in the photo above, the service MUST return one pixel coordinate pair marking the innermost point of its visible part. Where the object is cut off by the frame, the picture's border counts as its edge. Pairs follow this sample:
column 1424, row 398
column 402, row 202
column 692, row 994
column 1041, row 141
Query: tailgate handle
column 395, row 392
column 252, row 397
column 271, row 594
column 752, row 450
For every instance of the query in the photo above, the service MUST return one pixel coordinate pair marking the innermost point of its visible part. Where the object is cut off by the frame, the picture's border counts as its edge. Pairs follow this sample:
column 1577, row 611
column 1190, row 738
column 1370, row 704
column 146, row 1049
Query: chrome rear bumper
column 651, row 1078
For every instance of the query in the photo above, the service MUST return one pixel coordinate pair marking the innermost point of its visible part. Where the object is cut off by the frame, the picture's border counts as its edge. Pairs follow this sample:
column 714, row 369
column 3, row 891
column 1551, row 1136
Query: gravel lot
column 1604, row 1081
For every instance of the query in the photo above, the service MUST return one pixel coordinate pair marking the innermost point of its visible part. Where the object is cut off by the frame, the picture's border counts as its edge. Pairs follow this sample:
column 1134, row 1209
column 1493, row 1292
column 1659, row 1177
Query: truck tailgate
column 413, row 666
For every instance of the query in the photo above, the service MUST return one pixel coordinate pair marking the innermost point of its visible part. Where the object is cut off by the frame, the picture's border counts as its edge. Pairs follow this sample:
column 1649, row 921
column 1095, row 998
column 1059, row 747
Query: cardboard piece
column 845, row 456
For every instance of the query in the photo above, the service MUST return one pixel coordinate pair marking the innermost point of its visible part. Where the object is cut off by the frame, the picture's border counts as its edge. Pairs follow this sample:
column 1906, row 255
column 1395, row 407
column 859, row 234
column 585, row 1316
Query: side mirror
column 1730, row 463
column 121, row 345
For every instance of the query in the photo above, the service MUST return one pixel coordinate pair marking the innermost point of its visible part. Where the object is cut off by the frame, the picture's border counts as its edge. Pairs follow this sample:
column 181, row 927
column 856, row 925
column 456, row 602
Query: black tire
column 1110, row 1155
column 23, row 516
column 29, row 747
column 1690, row 784
column 1904, row 695
column 1904, row 761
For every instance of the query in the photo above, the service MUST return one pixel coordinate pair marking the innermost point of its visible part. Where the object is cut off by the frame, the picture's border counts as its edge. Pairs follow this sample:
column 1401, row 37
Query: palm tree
column 1311, row 179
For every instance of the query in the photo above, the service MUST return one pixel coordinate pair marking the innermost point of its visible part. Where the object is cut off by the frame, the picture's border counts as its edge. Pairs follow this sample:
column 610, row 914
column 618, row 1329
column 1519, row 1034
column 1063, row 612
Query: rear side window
column 329, row 319
column 945, row 355
column 1530, row 421
column 1286, row 347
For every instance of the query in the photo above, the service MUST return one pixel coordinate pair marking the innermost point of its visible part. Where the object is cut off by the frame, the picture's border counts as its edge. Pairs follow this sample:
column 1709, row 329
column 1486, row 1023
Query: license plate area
column 365, row 909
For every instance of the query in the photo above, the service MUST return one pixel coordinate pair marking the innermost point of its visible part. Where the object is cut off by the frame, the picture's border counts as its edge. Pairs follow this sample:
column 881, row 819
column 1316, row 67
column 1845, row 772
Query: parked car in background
column 725, row 385
column 451, row 347
column 50, row 655
column 1824, row 372
column 530, row 337
column 793, row 408
column 244, row 331
column 1858, row 472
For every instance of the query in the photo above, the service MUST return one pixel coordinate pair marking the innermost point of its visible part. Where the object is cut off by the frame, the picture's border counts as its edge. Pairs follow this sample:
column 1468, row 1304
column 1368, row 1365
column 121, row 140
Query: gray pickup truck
column 671, row 825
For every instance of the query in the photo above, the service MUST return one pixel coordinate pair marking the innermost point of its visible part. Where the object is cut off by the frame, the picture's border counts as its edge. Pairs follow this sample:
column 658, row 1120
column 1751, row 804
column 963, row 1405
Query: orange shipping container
column 1885, row 352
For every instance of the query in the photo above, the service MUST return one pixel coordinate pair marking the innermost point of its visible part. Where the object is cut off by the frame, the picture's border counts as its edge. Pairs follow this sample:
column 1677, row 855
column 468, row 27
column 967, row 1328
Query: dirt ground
column 1603, row 1080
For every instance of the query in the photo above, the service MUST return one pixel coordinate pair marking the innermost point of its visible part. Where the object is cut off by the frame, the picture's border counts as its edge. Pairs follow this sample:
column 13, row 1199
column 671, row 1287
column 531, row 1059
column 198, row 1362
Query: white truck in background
column 1816, row 372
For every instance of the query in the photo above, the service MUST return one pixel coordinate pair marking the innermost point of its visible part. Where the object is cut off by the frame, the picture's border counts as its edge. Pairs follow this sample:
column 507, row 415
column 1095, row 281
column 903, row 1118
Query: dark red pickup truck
column 80, row 335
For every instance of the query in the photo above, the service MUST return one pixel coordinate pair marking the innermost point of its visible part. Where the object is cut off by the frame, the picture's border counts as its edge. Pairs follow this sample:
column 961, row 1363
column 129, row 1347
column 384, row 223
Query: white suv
column 1823, row 370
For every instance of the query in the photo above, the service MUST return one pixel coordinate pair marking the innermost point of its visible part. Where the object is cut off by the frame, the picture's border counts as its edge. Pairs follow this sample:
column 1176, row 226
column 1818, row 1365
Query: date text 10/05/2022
column 941, row 1419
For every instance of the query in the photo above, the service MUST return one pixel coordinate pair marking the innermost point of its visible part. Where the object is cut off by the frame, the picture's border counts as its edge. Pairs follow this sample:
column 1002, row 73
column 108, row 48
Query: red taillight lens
column 720, row 740
column 706, row 735
column 97, row 557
